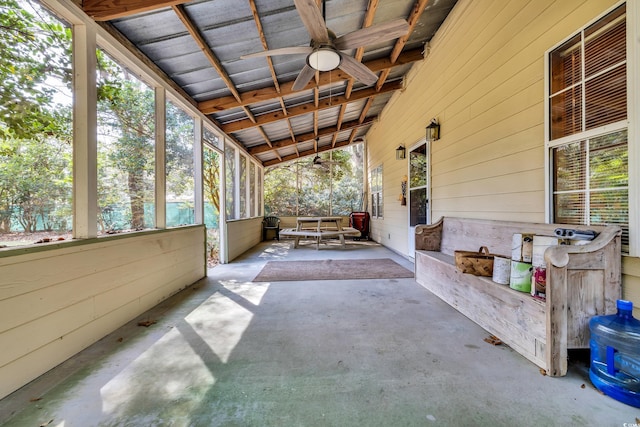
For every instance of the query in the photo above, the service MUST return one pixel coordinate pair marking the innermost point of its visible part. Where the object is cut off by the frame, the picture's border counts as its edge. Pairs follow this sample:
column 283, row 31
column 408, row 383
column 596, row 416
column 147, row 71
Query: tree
column 34, row 49
column 35, row 131
column 298, row 188
column 127, row 106
column 211, row 177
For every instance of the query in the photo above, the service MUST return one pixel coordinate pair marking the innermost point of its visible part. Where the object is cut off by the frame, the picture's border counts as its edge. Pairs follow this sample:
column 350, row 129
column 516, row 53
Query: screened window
column 180, row 171
column 252, row 189
column 230, row 181
column 588, row 126
column 35, row 125
column 126, row 149
column 331, row 186
column 243, row 186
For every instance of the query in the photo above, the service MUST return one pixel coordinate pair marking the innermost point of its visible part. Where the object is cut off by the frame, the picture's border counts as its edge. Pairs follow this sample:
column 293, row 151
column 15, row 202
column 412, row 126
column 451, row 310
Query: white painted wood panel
column 57, row 300
column 242, row 235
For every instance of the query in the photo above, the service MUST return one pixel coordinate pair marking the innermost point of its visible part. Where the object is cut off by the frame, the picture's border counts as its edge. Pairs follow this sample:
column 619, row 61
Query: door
column 418, row 190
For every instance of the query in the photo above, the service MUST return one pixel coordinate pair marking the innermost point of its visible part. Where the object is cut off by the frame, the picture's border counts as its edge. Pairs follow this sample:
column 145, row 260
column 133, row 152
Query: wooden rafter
column 309, row 108
column 368, row 20
column 274, row 76
column 211, row 57
column 412, row 19
column 339, row 123
column 263, row 40
column 261, row 95
column 332, row 130
column 304, row 153
column 104, row 10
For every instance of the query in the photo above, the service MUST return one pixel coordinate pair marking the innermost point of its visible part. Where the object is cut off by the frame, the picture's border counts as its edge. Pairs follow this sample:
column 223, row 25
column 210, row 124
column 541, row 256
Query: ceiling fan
column 320, row 162
column 324, row 52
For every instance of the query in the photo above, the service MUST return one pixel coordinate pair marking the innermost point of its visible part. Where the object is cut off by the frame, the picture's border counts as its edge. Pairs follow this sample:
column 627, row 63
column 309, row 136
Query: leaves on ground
column 493, row 340
column 146, row 323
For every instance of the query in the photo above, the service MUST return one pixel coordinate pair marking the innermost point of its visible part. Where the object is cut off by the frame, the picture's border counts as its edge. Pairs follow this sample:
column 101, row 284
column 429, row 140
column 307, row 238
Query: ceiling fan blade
column 358, row 70
column 371, row 35
column 304, row 77
column 312, row 20
column 293, row 50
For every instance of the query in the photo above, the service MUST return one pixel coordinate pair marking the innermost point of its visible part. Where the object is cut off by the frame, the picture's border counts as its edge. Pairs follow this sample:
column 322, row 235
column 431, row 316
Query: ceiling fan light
column 324, row 59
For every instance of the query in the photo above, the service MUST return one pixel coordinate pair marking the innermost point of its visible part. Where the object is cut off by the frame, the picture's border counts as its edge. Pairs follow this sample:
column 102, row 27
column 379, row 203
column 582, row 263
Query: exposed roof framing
column 198, row 46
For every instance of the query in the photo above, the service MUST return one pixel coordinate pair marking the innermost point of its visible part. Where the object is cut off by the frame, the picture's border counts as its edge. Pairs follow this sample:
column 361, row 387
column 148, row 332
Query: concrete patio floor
column 384, row 352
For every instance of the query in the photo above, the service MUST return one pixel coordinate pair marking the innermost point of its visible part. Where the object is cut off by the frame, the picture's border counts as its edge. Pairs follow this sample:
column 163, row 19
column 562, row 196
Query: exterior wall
column 483, row 78
column 242, row 235
column 631, row 282
column 56, row 300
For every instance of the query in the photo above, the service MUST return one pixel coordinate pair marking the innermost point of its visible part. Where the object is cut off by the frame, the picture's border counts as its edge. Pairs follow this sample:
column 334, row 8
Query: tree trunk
column 136, row 200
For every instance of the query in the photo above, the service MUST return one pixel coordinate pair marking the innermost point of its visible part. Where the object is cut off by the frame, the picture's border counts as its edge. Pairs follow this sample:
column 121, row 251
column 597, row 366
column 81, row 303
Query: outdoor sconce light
column 433, row 131
column 401, row 152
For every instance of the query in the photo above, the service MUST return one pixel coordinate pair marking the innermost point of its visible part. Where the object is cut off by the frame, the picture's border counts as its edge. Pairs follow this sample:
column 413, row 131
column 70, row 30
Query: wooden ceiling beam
column 412, row 19
column 105, row 10
column 309, row 108
column 202, row 44
column 263, row 40
column 208, row 53
column 283, row 143
column 304, row 154
column 368, row 20
column 228, row 102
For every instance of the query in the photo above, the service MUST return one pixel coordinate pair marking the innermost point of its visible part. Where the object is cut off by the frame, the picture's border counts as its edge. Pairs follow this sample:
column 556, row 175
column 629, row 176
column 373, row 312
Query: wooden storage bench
column 582, row 281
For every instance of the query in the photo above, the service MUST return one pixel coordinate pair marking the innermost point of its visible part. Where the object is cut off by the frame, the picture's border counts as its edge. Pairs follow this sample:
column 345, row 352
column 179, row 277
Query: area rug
column 330, row 269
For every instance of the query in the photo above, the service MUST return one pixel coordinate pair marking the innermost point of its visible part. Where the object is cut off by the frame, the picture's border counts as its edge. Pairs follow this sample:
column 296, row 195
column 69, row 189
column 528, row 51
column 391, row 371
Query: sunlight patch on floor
column 222, row 319
column 183, row 371
column 276, row 250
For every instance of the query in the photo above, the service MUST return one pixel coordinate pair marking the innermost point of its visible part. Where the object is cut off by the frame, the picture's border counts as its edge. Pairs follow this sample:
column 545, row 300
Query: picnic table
column 319, row 227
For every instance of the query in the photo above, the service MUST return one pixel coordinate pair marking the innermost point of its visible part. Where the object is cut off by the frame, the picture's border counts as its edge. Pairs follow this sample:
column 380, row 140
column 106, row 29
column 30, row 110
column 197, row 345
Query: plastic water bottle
column 615, row 354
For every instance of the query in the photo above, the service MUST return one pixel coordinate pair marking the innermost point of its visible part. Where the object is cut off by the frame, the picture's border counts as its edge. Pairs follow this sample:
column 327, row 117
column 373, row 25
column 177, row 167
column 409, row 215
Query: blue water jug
column 615, row 354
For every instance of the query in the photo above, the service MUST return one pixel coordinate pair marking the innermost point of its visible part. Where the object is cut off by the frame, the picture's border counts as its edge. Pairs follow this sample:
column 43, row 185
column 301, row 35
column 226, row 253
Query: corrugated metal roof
column 241, row 96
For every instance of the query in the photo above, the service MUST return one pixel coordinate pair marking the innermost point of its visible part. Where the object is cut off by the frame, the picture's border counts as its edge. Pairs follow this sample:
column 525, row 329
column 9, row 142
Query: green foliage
column 179, row 153
column 126, row 112
column 35, row 49
column 211, row 177
column 299, row 189
column 35, row 184
column 35, row 129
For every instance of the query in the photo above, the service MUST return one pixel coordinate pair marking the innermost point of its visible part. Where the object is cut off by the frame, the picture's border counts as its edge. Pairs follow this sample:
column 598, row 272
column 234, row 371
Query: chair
column 270, row 223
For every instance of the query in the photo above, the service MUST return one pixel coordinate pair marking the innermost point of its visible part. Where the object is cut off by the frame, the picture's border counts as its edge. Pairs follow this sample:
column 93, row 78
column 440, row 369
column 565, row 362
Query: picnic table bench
column 319, row 228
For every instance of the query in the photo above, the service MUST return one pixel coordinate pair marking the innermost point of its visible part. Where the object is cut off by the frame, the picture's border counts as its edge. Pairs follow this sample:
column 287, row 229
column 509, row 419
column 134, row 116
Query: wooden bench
column 319, row 235
column 582, row 281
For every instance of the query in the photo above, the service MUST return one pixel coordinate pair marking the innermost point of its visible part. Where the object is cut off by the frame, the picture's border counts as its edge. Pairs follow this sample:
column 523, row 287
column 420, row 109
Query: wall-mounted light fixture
column 401, row 152
column 433, row 130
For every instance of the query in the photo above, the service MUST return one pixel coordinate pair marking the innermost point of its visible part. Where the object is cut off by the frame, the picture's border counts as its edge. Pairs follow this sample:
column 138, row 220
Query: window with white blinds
column 375, row 183
column 588, row 126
